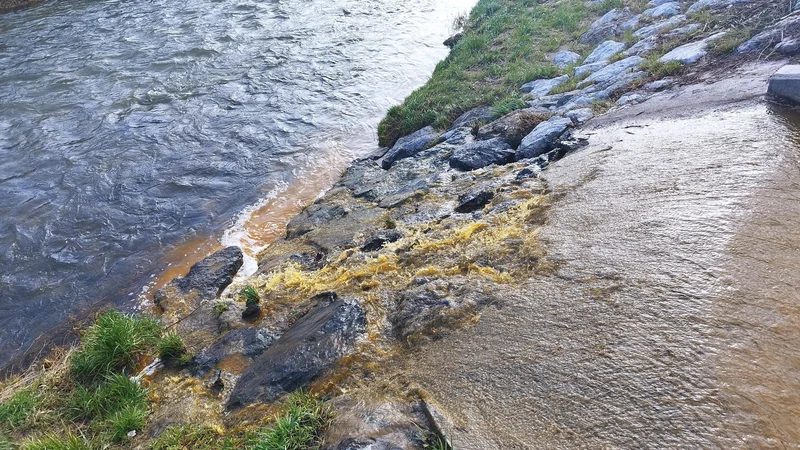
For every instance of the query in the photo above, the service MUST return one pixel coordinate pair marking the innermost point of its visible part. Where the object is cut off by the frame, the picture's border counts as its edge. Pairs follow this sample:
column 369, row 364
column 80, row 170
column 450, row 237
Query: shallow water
column 132, row 134
column 672, row 318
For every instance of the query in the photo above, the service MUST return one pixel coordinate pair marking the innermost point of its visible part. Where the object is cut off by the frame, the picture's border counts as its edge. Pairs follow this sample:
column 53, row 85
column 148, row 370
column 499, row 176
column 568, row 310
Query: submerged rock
column 691, row 52
column 604, row 52
column 410, row 145
column 480, row 114
column 513, row 126
column 481, row 154
column 785, row 84
column 539, row 88
column 543, row 138
column 565, row 59
column 307, row 349
column 374, row 424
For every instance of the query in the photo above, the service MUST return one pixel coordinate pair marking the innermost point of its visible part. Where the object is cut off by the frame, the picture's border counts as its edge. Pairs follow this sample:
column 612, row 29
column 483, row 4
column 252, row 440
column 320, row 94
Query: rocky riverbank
column 421, row 239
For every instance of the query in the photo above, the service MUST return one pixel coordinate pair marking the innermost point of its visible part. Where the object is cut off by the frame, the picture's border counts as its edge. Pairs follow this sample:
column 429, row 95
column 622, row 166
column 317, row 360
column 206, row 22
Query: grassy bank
column 87, row 399
column 505, row 44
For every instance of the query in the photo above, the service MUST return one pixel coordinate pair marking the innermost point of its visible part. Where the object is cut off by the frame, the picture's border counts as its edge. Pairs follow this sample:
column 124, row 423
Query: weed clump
column 300, row 427
column 16, row 410
column 171, row 348
column 251, row 296
column 56, row 442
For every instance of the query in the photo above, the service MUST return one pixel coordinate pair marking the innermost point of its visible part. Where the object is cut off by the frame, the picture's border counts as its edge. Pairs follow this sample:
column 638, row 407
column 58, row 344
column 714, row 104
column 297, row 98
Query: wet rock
column 438, row 422
column 428, row 305
column 366, row 444
column 691, row 52
column 474, row 201
column 613, row 23
column 664, row 10
column 604, row 52
column 565, row 59
column 374, row 155
column 306, row 350
column 411, row 189
column 580, row 116
column 312, row 217
column 453, row 40
column 643, row 47
column 539, row 88
column 612, row 72
column 660, row 27
column 248, row 342
column 374, row 424
column 715, row 4
column 785, row 84
column 512, row 127
column 207, row 278
column 481, row 114
column 481, row 154
column 381, row 238
column 410, row 145
column 525, row 173
column 542, row 139
column 788, row 47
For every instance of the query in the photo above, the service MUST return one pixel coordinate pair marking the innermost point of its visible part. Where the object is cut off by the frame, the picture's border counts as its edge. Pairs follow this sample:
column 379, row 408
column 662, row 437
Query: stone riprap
column 539, row 88
column 565, row 58
column 692, row 52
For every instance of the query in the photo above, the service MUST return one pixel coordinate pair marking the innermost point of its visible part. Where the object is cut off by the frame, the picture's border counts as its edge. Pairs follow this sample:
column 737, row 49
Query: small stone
column 631, row 98
column 664, row 10
column 785, row 84
column 474, row 201
column 659, row 27
column 643, row 47
column 604, row 52
column 659, row 84
column 565, row 58
column 580, row 116
column 539, row 88
column 453, row 40
column 688, row 29
column 542, row 139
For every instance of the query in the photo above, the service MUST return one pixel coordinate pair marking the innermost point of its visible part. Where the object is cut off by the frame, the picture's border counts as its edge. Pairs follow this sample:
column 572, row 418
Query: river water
column 141, row 135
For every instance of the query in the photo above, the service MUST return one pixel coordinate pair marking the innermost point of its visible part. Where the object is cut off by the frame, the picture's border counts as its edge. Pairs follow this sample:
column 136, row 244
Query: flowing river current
column 140, row 135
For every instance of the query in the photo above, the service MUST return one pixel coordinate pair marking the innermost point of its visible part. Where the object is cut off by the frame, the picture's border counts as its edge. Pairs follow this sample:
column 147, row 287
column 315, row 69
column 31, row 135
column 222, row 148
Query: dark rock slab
column 785, row 84
column 480, row 114
column 312, row 217
column 381, row 238
column 474, row 201
column 481, row 154
column 453, row 40
column 543, row 138
column 410, row 145
column 306, row 350
column 208, row 278
column 513, row 126
column 250, row 342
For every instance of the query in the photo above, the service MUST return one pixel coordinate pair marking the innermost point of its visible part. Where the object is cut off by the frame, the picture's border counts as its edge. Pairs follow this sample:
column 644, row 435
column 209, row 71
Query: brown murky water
column 672, row 318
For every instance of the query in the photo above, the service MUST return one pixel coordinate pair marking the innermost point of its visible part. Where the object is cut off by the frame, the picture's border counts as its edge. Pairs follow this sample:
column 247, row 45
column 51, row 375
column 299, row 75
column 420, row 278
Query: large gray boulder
column 565, row 59
column 613, row 23
column 306, row 350
column 481, row 154
column 540, row 88
column 643, row 47
column 410, row 145
column 715, row 4
column 785, row 84
column 586, row 69
column 691, row 52
column 543, row 138
column 660, row 27
column 480, row 114
column 664, row 10
column 612, row 72
column 604, row 52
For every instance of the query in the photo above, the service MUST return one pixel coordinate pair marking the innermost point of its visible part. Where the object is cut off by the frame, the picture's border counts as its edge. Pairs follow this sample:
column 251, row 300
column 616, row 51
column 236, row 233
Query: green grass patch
column 300, row 427
column 251, row 296
column 660, row 69
column 219, row 308
column 729, row 42
column 16, row 410
column 68, row 441
column 180, row 437
column 505, row 45
column 116, row 343
column 171, row 348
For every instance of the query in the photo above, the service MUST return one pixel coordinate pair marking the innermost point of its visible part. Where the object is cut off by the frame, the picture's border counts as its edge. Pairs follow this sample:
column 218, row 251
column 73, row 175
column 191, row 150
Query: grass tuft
column 114, row 344
column 16, row 410
column 122, row 422
column 251, row 296
column 660, row 69
column 729, row 42
column 171, row 348
column 56, row 442
column 300, row 427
